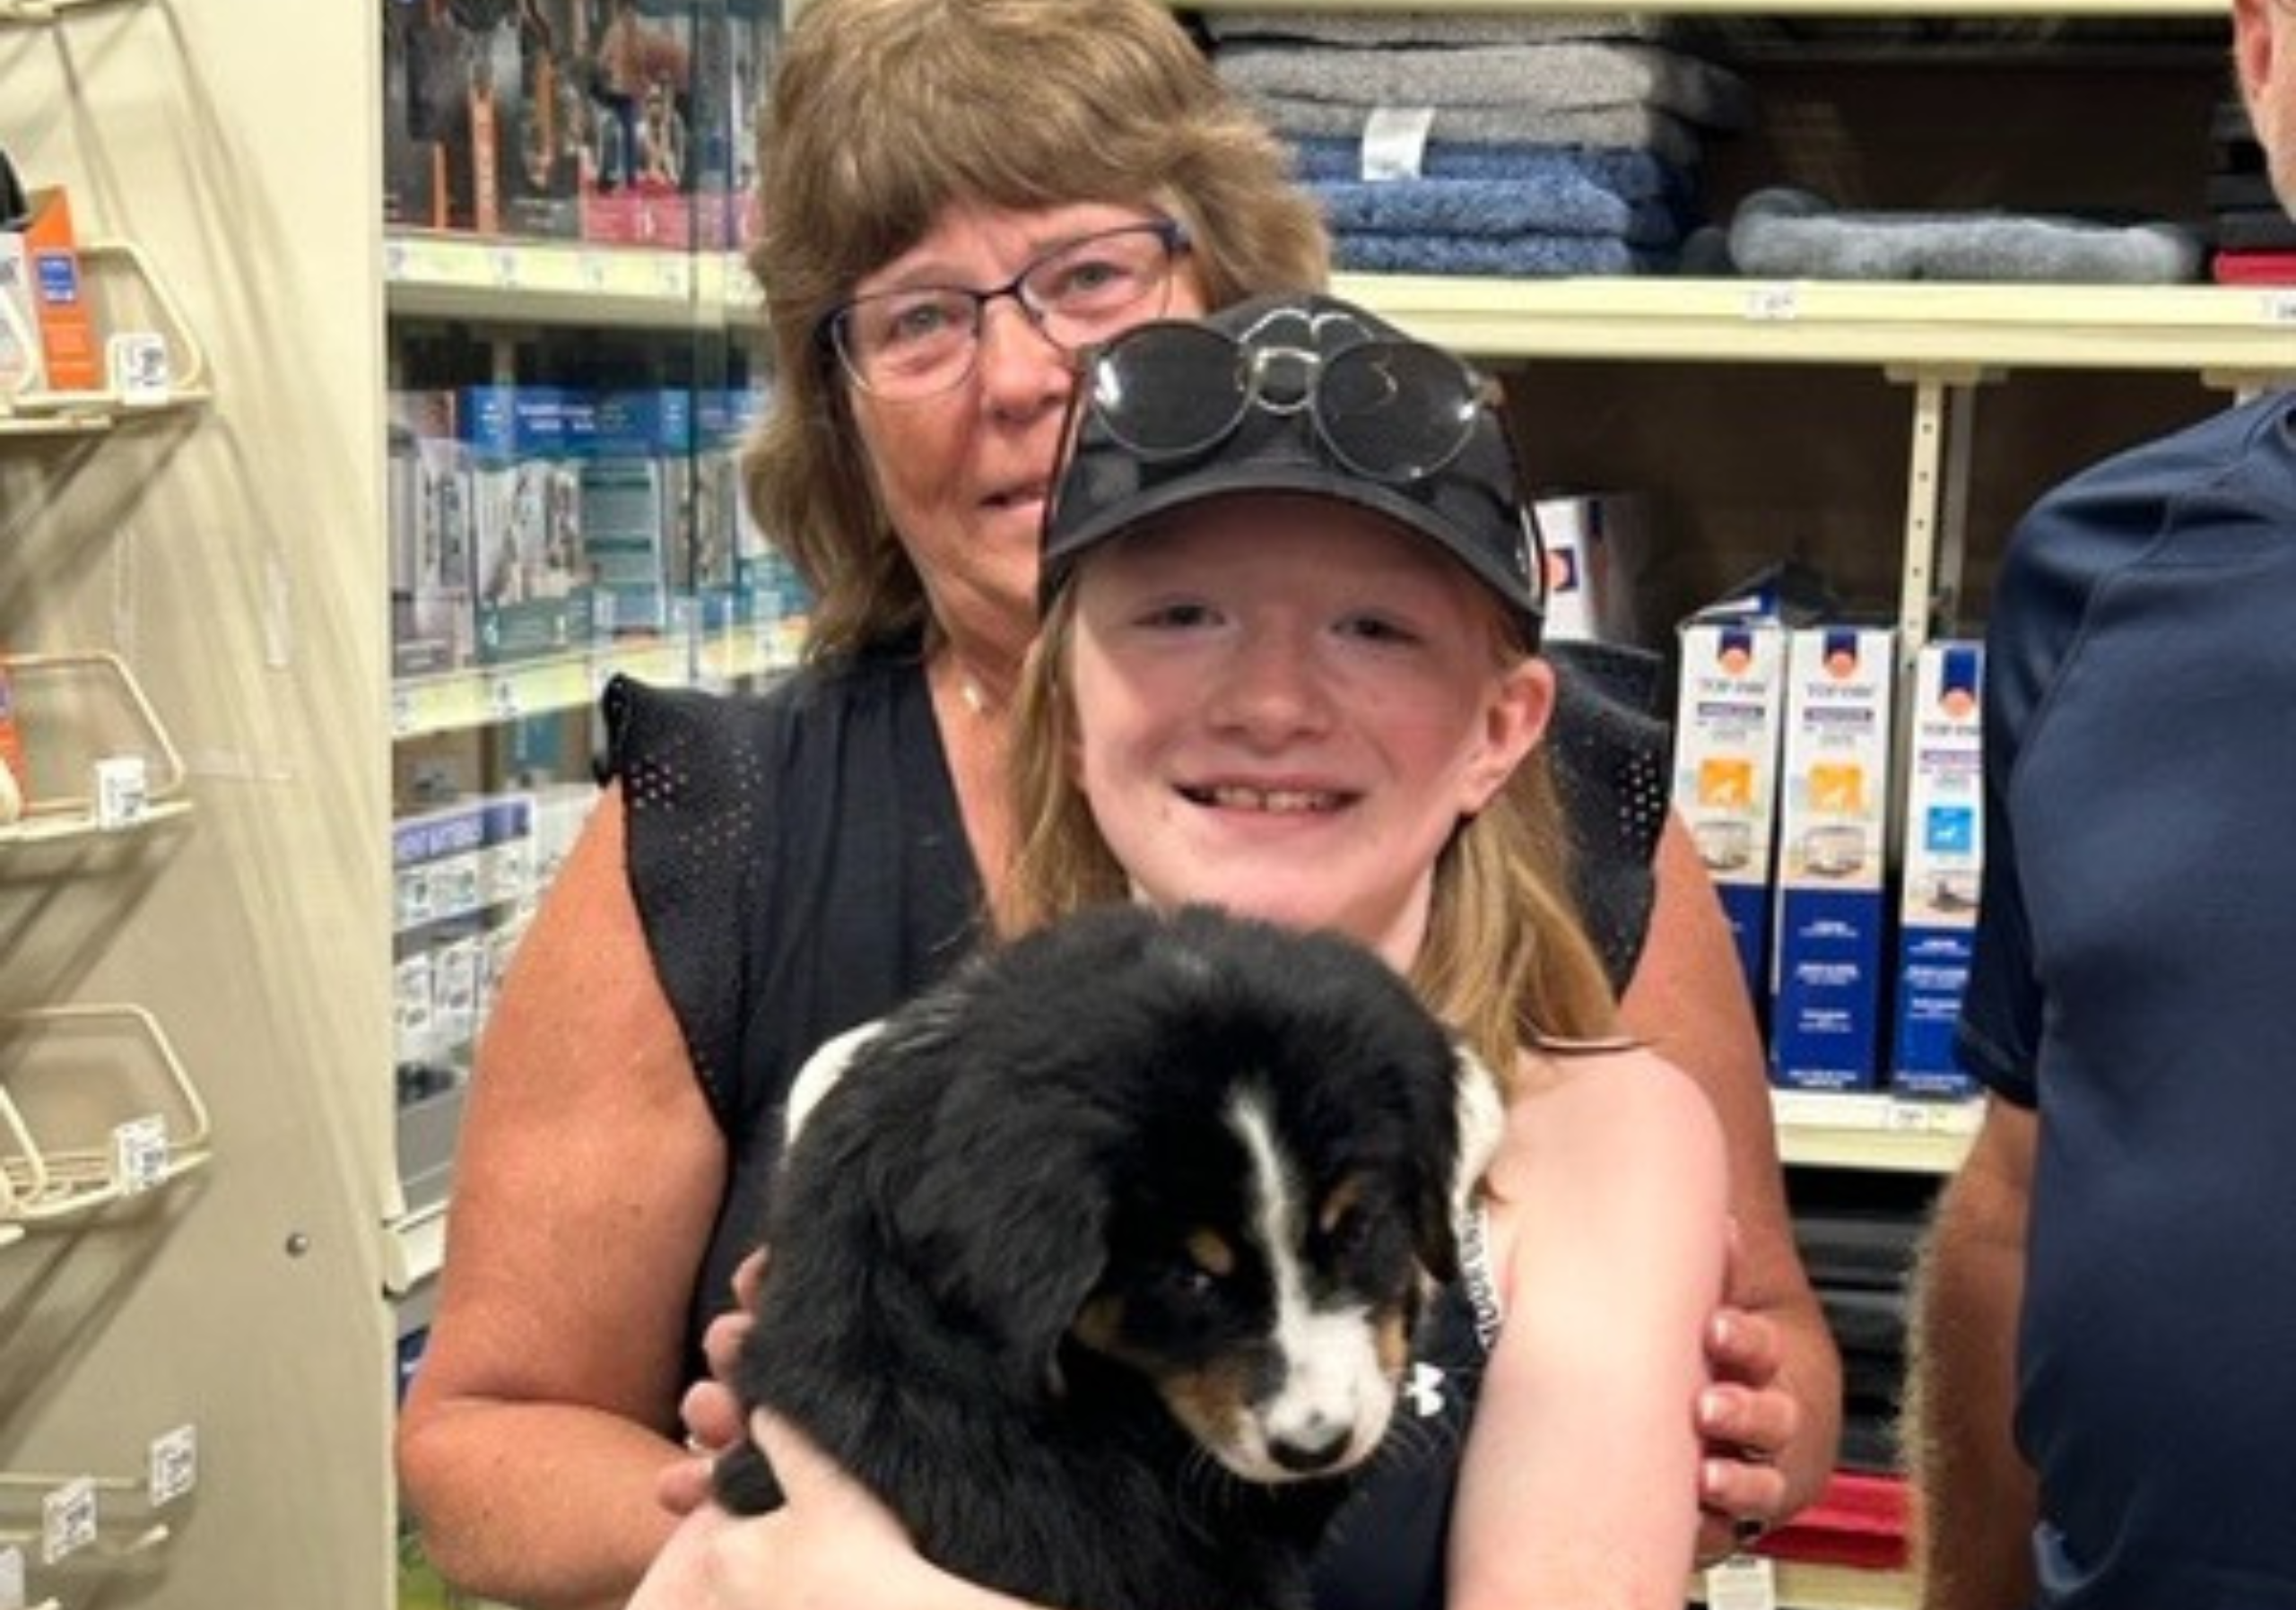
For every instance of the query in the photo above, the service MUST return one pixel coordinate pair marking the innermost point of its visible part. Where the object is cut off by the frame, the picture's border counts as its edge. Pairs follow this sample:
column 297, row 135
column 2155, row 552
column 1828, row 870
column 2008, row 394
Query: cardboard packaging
column 1944, row 853
column 634, row 469
column 39, row 276
column 1726, row 726
column 1595, row 542
column 1833, row 810
column 530, row 591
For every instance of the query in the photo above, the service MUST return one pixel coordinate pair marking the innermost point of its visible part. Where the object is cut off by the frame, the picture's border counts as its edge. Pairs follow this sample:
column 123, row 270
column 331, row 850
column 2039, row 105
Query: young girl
column 1289, row 667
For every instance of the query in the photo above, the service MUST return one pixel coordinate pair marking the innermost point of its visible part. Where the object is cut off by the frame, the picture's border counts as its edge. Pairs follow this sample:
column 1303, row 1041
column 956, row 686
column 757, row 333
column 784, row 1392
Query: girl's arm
column 1579, row 1484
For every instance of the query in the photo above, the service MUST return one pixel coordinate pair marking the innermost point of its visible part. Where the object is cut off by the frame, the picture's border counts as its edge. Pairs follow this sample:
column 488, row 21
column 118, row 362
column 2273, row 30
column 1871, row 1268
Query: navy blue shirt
column 2134, row 981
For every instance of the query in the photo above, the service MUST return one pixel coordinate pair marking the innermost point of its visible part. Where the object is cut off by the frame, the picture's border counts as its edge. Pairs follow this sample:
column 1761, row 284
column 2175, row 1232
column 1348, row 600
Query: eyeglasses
column 1391, row 410
column 905, row 345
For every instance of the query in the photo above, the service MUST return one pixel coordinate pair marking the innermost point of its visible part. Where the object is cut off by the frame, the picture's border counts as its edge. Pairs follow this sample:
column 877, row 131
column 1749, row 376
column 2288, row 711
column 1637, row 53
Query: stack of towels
column 1519, row 145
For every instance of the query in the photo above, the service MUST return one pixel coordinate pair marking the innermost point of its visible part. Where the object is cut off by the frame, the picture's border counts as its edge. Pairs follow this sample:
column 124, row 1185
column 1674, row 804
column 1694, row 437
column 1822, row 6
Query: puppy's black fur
column 1023, row 1245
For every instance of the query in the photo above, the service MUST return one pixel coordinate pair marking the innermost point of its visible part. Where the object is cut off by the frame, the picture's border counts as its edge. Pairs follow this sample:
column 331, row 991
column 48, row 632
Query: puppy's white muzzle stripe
column 1331, row 1403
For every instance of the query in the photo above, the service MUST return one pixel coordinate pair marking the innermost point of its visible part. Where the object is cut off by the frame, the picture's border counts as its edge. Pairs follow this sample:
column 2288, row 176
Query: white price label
column 402, row 712
column 123, row 790
column 139, row 1154
column 68, row 1520
column 506, row 265
column 502, row 701
column 1742, row 1582
column 138, row 368
column 2280, row 306
column 394, row 261
column 1773, row 304
column 12, row 1578
column 174, row 1465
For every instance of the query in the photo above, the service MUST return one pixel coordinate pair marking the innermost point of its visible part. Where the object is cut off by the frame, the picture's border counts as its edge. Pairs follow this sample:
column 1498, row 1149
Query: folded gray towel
column 1561, row 77
column 1517, row 257
column 1562, row 203
column 1785, row 234
column 1360, row 30
column 1613, row 128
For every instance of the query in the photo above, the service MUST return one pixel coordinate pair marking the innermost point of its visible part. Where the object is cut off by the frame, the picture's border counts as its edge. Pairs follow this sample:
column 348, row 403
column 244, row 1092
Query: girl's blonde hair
column 1506, row 962
column 884, row 112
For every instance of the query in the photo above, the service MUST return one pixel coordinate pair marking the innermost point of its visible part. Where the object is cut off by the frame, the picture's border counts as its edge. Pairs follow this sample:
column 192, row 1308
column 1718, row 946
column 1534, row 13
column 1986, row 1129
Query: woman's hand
column 711, row 1411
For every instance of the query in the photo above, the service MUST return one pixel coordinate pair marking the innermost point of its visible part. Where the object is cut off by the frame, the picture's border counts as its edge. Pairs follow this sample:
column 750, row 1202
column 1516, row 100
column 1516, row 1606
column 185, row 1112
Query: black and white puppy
column 1100, row 1264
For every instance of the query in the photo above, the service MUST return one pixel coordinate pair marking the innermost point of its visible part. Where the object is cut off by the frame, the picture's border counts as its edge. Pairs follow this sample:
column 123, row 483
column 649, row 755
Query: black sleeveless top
column 800, row 865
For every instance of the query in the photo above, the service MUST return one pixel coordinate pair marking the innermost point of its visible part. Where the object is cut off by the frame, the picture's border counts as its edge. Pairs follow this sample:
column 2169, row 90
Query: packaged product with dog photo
column 1944, row 855
column 429, row 503
column 531, row 598
column 1728, row 716
column 1833, row 813
column 636, row 444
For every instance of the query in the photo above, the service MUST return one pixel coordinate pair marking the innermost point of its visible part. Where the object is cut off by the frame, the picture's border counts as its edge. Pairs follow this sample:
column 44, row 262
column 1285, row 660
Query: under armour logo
column 1424, row 1391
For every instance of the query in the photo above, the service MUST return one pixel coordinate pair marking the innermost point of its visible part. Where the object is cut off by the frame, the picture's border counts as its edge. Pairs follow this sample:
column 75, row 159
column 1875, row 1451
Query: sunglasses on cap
column 1388, row 410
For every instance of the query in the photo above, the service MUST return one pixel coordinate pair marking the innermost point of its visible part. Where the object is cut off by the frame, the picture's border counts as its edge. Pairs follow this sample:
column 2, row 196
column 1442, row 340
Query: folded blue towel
column 1562, row 77
column 1635, row 174
column 1610, row 128
column 1520, row 256
column 1563, row 204
column 1782, row 233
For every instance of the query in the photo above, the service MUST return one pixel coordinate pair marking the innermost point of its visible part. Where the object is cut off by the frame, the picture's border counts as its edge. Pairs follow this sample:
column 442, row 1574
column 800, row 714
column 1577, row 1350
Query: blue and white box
column 1944, row 854
column 1834, row 817
column 1730, row 709
column 531, row 593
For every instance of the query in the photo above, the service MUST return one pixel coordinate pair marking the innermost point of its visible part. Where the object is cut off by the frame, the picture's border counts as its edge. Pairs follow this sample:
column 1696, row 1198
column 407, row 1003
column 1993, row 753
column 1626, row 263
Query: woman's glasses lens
column 1169, row 390
column 908, row 345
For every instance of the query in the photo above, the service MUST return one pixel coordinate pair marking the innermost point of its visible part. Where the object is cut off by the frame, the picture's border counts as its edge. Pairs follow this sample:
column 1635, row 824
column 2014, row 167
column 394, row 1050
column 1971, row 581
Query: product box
column 15, row 762
column 1593, row 543
column 1833, row 809
column 639, row 186
column 1726, row 726
column 530, row 595
column 710, row 572
column 634, row 470
column 1944, row 854
column 40, row 273
column 429, row 506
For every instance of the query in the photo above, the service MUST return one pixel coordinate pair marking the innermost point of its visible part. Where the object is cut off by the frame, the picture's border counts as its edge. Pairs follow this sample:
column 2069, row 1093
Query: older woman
column 963, row 193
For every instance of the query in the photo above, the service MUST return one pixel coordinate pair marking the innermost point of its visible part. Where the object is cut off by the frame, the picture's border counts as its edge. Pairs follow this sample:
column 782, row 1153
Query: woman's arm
column 1778, row 1390
column 1578, row 1483
column 588, row 1179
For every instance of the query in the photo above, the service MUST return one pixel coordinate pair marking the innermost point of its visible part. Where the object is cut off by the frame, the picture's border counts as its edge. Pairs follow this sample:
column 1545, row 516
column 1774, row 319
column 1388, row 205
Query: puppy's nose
column 1310, row 1448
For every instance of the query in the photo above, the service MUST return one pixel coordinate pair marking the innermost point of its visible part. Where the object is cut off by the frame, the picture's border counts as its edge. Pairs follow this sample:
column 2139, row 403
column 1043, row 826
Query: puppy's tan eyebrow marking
column 1344, row 1197
column 1210, row 1252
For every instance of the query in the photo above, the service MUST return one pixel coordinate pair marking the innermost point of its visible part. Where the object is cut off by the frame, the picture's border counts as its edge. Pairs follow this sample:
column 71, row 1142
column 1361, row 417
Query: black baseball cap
column 1294, row 393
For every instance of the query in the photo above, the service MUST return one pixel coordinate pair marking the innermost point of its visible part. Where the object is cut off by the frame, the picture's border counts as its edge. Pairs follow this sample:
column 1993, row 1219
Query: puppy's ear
column 1010, row 1217
column 1478, row 1120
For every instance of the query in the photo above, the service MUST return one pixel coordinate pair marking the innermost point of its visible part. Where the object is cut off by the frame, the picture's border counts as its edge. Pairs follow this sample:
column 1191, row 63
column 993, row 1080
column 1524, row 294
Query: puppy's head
column 1217, row 1156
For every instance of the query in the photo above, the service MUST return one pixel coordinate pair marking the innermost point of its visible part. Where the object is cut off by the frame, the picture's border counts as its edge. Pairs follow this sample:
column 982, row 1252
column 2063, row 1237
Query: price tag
column 402, row 712
column 12, row 1578
column 1773, row 304
column 174, row 1465
column 139, row 1154
column 502, row 701
column 68, row 1520
column 123, row 790
column 136, row 362
column 1742, row 1582
column 504, row 261
column 590, row 268
column 2280, row 306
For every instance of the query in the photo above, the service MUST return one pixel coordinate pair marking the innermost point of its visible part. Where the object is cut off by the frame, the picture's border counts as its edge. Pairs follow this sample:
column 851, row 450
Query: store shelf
column 1862, row 1130
column 2236, row 333
column 54, row 815
column 561, row 283
column 44, row 1184
column 415, row 1248
column 461, row 700
column 120, row 272
column 1804, row 1587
